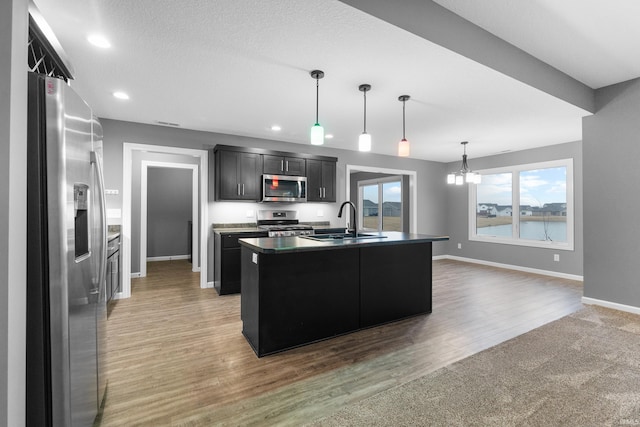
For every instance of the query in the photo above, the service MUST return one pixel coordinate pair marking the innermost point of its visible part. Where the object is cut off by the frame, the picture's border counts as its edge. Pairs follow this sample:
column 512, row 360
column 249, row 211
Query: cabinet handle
column 281, row 165
column 238, row 189
column 286, row 166
column 243, row 189
column 320, row 192
column 324, row 192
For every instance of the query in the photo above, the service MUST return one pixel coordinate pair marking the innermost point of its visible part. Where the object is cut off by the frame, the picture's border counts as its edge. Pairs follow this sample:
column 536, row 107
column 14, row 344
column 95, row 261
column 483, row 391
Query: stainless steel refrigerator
column 66, row 258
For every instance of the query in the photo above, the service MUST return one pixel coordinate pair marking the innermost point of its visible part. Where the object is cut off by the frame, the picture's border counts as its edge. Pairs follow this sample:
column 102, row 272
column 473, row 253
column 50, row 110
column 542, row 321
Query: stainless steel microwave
column 283, row 188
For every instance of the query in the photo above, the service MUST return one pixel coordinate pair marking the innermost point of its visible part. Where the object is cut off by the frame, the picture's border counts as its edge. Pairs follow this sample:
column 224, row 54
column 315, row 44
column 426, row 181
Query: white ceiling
column 240, row 66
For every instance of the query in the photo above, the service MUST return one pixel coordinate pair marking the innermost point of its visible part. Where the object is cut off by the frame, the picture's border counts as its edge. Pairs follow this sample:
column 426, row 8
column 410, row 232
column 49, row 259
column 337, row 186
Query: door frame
column 125, row 232
column 413, row 188
column 144, row 169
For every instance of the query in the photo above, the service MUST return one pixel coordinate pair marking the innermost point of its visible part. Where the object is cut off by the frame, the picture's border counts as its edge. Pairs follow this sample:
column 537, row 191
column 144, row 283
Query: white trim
column 144, row 166
column 168, row 258
column 515, row 239
column 127, row 161
column 613, row 305
column 413, row 189
column 210, row 285
column 439, row 257
column 133, row 276
column 517, row 268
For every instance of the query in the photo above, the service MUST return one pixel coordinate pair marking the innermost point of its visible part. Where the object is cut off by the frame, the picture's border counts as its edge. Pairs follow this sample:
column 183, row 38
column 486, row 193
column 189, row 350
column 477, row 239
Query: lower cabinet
column 226, row 261
column 113, row 267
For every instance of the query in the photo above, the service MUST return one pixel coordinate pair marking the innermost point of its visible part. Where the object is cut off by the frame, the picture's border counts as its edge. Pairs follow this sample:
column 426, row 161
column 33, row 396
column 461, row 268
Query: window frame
column 515, row 206
column 379, row 182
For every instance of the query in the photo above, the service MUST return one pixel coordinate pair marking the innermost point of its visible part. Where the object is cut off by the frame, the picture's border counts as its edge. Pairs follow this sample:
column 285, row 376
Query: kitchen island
column 299, row 290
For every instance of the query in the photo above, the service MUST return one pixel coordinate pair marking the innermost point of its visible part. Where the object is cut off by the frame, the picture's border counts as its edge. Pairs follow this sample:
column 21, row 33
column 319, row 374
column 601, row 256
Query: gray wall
column 611, row 146
column 13, row 227
column 431, row 186
column 540, row 258
column 169, row 194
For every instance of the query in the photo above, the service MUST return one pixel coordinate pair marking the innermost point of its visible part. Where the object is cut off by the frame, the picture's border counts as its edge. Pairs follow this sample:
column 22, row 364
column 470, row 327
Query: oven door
column 280, row 188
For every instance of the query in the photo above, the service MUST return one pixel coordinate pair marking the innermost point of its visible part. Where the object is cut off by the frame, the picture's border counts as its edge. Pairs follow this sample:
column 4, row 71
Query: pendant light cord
column 365, row 111
column 317, row 97
column 403, row 120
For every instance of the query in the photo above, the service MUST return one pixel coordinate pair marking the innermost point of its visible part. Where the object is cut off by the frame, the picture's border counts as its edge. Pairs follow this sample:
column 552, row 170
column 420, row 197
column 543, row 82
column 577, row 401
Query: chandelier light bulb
column 364, row 142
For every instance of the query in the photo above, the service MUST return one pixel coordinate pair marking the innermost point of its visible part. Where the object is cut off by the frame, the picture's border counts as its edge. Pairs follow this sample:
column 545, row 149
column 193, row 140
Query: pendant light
column 317, row 131
column 364, row 141
column 465, row 174
column 404, row 149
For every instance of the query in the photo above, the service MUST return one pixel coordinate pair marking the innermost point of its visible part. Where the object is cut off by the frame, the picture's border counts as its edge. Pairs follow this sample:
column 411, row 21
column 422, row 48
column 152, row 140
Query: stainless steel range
column 282, row 223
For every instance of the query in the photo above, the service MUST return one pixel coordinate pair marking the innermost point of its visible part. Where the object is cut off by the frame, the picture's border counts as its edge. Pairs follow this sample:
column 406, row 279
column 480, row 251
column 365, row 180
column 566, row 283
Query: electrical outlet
column 249, row 214
column 556, row 257
column 320, row 212
column 459, row 245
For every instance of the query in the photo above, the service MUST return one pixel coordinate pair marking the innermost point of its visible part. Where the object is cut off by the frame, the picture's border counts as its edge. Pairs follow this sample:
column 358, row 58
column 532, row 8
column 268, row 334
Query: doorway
column 144, row 213
column 129, row 149
column 409, row 188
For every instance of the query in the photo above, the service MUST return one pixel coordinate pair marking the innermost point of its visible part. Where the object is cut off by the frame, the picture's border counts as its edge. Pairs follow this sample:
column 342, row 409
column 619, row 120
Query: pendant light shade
column 317, row 131
column 364, row 141
column 465, row 174
column 404, row 148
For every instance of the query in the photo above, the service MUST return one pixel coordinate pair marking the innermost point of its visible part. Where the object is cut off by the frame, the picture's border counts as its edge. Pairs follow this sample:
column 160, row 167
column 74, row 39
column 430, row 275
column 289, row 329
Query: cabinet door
column 273, row 165
column 249, row 176
column 328, row 181
column 314, row 180
column 228, row 175
column 294, row 166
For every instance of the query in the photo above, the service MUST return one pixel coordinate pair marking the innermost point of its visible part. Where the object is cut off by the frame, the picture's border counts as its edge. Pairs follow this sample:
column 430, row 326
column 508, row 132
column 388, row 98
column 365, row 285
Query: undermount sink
column 341, row 236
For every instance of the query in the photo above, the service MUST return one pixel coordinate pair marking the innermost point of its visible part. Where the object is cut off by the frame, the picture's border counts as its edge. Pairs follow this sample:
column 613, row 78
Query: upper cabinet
column 279, row 165
column 238, row 172
column 238, row 175
column 321, row 181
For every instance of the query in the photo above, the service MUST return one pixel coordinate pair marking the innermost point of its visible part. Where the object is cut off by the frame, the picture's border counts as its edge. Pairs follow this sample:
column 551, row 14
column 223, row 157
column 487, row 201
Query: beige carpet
column 581, row 370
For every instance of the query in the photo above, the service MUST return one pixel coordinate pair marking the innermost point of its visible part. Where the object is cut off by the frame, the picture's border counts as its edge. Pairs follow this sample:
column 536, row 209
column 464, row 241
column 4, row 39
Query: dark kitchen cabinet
column 237, row 175
column 226, row 260
column 279, row 165
column 113, row 268
column 321, row 181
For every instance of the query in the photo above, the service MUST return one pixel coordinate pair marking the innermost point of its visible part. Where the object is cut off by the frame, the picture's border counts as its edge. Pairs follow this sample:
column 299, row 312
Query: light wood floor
column 177, row 355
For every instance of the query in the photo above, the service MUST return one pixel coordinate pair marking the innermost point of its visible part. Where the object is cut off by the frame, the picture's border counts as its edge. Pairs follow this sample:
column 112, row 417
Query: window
column 380, row 204
column 529, row 205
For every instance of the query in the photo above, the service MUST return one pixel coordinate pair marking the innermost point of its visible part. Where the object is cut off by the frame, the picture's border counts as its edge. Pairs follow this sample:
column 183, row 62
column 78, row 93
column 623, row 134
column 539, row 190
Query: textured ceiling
column 240, row 66
column 594, row 41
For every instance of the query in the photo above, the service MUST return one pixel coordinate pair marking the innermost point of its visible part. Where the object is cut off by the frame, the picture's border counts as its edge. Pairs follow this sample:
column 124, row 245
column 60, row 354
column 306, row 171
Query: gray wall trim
column 524, row 256
column 611, row 203
column 13, row 226
column 439, row 25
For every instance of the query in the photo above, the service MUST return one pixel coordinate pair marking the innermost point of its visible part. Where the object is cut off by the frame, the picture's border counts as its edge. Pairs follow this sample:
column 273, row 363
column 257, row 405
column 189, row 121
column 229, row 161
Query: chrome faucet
column 355, row 216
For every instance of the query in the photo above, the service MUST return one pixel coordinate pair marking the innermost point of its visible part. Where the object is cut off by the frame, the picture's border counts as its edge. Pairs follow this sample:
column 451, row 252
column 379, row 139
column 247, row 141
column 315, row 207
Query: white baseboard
column 135, row 275
column 609, row 304
column 515, row 267
column 167, row 258
column 209, row 285
column 437, row 257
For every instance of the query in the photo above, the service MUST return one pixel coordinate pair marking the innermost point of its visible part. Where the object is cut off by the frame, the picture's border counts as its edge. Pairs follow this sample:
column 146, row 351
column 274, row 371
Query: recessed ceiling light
column 328, row 136
column 99, row 41
column 120, row 95
column 276, row 128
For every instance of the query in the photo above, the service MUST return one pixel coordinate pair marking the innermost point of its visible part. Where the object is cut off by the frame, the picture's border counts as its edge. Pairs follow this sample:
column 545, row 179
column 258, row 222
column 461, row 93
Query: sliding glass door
column 380, row 204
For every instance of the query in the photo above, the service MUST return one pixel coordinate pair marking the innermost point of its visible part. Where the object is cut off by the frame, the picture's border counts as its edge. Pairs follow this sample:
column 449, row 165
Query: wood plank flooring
column 177, row 355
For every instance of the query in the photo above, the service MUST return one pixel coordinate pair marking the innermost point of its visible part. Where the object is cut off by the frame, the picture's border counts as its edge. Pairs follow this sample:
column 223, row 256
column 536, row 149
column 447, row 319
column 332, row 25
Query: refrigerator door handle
column 103, row 214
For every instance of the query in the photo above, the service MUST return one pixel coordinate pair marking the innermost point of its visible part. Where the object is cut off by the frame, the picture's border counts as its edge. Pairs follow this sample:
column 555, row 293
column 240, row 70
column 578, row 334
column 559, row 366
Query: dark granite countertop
column 272, row 245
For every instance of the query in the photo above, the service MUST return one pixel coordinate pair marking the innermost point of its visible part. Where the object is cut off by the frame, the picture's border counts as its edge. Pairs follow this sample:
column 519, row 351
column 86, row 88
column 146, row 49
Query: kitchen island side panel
column 316, row 298
column 250, row 298
column 395, row 282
